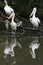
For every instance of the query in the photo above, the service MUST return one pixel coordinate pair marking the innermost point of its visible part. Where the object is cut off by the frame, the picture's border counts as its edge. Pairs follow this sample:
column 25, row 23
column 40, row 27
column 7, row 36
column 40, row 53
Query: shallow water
column 15, row 50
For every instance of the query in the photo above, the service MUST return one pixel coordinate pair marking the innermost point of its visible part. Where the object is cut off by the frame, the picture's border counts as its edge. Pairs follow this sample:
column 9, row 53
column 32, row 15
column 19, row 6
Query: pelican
column 14, row 25
column 34, row 20
column 33, row 46
column 8, row 10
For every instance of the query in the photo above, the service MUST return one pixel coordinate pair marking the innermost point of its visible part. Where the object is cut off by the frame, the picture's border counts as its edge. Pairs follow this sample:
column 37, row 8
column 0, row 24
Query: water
column 17, row 50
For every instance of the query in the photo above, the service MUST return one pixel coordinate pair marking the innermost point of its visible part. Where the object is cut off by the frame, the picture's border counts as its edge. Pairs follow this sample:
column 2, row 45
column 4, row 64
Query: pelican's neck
column 13, row 15
column 34, row 14
column 5, row 2
column 12, row 18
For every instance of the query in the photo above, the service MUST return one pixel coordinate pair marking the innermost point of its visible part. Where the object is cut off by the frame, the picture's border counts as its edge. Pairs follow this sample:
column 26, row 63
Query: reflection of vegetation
column 24, row 7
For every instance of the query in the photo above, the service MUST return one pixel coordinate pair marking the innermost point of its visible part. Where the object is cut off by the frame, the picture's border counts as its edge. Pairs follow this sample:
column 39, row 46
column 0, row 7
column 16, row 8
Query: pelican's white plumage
column 8, row 10
column 14, row 25
column 34, row 20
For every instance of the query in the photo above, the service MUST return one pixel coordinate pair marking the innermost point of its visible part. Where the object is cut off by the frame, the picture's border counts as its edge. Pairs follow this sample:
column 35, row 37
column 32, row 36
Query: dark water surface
column 21, row 50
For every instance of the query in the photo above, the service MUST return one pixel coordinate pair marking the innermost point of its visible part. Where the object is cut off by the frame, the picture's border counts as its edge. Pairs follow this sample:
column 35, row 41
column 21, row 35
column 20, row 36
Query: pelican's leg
column 33, row 28
column 36, row 28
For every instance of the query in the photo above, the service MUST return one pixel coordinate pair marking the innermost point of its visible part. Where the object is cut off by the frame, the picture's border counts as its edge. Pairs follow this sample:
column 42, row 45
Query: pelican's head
column 5, row 1
column 33, row 11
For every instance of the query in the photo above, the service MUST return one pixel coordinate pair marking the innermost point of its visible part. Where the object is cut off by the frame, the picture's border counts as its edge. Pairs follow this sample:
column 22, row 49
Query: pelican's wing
column 11, row 9
column 38, row 20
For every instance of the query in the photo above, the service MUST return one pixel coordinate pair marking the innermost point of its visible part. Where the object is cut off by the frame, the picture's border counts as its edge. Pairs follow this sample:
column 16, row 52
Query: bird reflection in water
column 9, row 47
column 33, row 46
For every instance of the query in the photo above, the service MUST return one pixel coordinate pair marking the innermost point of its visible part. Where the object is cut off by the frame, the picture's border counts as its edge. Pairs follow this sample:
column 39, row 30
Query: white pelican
column 14, row 25
column 33, row 46
column 34, row 20
column 8, row 10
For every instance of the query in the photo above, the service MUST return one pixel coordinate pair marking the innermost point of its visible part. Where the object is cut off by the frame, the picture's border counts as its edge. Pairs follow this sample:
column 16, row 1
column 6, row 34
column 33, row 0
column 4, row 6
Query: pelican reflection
column 10, row 45
column 33, row 46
